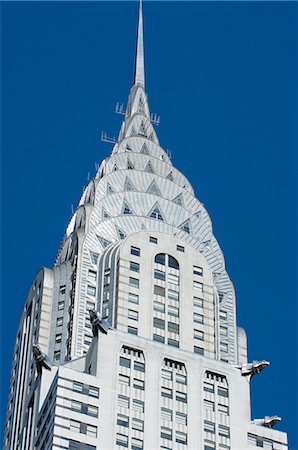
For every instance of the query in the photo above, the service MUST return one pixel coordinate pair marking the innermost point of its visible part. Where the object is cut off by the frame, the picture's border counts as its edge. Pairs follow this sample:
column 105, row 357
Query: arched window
column 172, row 262
column 160, row 259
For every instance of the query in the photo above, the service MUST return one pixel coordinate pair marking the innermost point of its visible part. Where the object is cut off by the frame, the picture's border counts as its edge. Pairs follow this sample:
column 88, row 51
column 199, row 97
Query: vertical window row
column 223, row 335
column 173, row 404
column 131, row 405
column 216, row 411
column 166, row 300
column 198, row 310
column 133, row 296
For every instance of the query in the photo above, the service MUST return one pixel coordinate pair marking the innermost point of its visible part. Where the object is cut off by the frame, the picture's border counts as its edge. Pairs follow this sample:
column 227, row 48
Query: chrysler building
column 131, row 340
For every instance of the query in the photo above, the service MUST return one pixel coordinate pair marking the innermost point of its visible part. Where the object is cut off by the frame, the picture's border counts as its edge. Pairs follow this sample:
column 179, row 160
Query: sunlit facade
column 131, row 340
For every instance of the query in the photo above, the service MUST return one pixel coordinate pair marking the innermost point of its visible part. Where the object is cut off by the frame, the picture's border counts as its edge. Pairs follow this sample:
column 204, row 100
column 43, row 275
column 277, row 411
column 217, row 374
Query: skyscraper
column 131, row 339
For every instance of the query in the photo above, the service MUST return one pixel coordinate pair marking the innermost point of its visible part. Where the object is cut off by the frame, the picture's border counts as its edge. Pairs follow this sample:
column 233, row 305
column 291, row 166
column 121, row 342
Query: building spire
column 139, row 77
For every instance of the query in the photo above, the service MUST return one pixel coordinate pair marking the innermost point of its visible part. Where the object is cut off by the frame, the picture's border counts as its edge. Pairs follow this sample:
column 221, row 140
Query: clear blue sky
column 222, row 77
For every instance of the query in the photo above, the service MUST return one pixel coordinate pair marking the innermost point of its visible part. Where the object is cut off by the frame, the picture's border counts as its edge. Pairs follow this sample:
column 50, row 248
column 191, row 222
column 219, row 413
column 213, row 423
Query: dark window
column 180, row 248
column 135, row 267
column 153, row 240
column 124, row 362
column 198, row 350
column 223, row 391
column 173, row 343
column 173, row 327
column 158, row 290
column 158, row 338
column 159, row 323
column 135, row 251
column 132, row 330
column 160, row 259
column 139, row 366
column 173, row 263
column 159, row 275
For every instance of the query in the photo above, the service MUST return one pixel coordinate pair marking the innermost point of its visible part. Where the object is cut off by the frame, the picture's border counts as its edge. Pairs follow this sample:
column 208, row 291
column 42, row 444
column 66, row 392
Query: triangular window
column 141, row 105
column 207, row 245
column 115, row 167
column 149, row 168
column 142, row 129
column 104, row 242
column 170, row 176
column 94, row 257
column 133, row 131
column 185, row 226
column 120, row 233
column 126, row 209
column 110, row 190
column 198, row 214
column 178, row 200
column 128, row 148
column 156, row 213
column 150, row 137
column 153, row 189
column 144, row 149
column 104, row 214
column 130, row 164
column 128, row 186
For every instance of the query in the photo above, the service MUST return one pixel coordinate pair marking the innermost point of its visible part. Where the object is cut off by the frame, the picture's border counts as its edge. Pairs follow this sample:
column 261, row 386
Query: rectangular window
column 223, row 409
column 59, row 322
column 91, row 431
column 135, row 267
column 166, row 433
column 91, row 290
column 158, row 290
column 158, row 306
column 166, row 392
column 121, row 440
column 223, row 331
column 77, row 387
column 198, row 318
column 133, row 298
column 173, row 342
column 223, row 315
column 58, row 338
column 224, row 347
column 133, row 315
column 62, row 289
column 181, row 438
column 132, row 330
column 138, row 384
column 57, row 355
column 173, row 327
column 180, row 378
column 223, row 431
column 137, row 424
column 198, row 350
column 166, row 414
column 93, row 392
column 197, row 270
column 138, row 405
column 180, row 248
column 60, row 305
column 166, row 374
column 198, row 334
column 123, row 401
column 209, row 427
column 122, row 421
column 159, row 275
column 174, row 279
column 135, row 251
column 124, row 380
column 92, row 410
column 223, row 391
column 159, row 323
column 134, row 282
column 198, row 302
column 158, row 338
column 76, row 406
column 209, row 405
column 209, row 446
column 208, row 387
column 181, row 397
column 181, row 418
column 198, row 286
column 136, row 444
column 124, row 362
column 173, row 295
column 75, row 426
column 87, row 340
column 153, row 240
column 173, row 311
column 139, row 366
column 92, row 275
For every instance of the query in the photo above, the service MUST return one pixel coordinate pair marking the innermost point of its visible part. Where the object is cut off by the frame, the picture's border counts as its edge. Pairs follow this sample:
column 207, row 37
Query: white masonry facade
column 131, row 340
